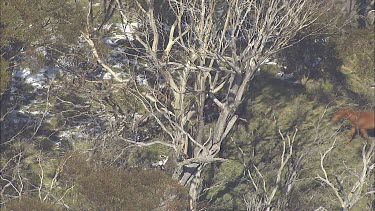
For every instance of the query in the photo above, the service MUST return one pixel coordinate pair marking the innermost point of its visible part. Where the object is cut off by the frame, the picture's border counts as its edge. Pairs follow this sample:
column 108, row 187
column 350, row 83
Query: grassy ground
column 276, row 104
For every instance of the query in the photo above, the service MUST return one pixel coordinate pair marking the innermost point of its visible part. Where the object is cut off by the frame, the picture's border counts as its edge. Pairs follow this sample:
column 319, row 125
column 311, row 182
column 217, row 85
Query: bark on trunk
column 196, row 189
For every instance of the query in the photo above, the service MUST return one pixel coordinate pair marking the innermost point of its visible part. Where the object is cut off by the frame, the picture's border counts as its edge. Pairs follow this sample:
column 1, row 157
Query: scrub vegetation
column 185, row 105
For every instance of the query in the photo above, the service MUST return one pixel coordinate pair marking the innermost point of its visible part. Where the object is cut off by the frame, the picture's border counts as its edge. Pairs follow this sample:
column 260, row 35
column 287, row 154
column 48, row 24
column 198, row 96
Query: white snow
column 23, row 73
column 141, row 80
column 107, row 76
column 284, row 76
column 39, row 79
column 126, row 31
column 42, row 50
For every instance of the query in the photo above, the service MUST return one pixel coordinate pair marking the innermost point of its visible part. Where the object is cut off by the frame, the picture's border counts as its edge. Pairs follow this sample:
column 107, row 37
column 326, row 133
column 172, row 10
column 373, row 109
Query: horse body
column 361, row 120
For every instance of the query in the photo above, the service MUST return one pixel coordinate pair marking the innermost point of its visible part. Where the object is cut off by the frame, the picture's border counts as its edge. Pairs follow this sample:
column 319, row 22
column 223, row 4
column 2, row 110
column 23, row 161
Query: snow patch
column 37, row 80
column 126, row 31
column 286, row 77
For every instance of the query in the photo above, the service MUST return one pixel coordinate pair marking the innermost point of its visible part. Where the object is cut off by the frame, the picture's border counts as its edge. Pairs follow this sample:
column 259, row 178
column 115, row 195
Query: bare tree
column 201, row 59
column 17, row 183
column 349, row 194
column 263, row 196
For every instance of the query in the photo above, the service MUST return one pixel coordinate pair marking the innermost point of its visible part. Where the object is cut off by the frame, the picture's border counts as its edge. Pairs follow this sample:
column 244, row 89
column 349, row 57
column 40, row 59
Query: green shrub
column 31, row 204
column 356, row 49
column 131, row 189
column 5, row 75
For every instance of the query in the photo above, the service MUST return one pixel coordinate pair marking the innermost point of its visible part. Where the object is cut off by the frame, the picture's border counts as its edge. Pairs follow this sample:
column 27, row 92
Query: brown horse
column 360, row 120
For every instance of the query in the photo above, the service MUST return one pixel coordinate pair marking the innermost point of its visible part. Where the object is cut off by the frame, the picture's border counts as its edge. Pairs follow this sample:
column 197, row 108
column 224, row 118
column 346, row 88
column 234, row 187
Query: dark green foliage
column 314, row 58
column 31, row 21
column 45, row 144
column 30, row 24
